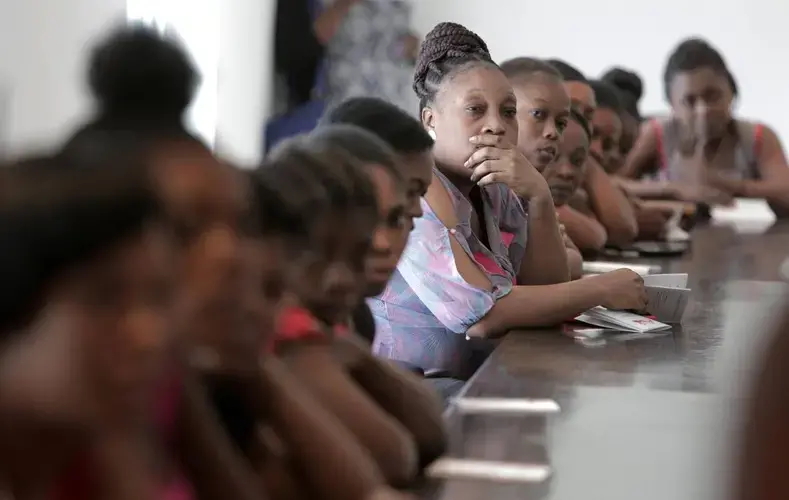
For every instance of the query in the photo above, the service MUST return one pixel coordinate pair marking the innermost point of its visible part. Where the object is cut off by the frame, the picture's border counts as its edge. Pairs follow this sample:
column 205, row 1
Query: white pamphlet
column 668, row 296
column 509, row 472
column 505, row 406
column 667, row 280
column 673, row 231
column 620, row 320
column 600, row 267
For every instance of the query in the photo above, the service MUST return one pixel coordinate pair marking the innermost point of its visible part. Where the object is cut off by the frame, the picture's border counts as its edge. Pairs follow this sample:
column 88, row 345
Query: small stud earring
column 432, row 133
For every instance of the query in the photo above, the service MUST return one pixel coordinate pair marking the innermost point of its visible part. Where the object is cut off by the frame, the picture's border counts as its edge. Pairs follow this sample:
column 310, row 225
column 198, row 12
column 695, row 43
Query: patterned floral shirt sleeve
column 428, row 269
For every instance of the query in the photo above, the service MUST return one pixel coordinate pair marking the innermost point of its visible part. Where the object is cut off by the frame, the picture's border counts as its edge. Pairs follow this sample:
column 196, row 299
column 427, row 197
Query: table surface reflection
column 652, row 417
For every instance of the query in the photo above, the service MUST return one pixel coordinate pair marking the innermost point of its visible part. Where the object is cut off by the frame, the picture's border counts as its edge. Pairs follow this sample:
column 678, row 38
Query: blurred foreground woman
column 245, row 427
column 765, row 451
column 143, row 84
column 85, row 321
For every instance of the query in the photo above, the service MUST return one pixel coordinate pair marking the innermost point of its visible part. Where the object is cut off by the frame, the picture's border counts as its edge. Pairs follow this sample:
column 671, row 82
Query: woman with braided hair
column 487, row 256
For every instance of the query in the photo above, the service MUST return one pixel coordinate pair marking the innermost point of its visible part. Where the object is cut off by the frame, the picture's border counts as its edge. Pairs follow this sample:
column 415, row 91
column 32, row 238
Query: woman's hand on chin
column 496, row 160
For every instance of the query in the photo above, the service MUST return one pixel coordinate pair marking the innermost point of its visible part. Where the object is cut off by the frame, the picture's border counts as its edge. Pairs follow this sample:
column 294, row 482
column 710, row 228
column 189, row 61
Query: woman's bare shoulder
column 439, row 199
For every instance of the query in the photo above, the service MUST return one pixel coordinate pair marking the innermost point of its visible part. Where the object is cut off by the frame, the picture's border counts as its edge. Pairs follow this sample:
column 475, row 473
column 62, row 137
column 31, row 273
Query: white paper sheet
column 599, row 267
column 667, row 280
column 459, row 468
column 673, row 231
column 668, row 296
column 667, row 304
column 744, row 209
column 620, row 320
column 505, row 406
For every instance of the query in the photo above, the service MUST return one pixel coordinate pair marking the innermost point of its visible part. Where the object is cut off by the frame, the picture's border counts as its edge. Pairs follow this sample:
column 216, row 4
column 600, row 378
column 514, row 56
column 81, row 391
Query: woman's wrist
column 540, row 204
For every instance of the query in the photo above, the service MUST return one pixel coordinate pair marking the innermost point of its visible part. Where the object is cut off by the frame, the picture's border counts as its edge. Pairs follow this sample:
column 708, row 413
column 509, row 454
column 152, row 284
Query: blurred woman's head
column 566, row 174
column 404, row 134
column 394, row 223
column 463, row 94
column 631, row 89
column 333, row 197
column 143, row 83
column 85, row 303
column 582, row 96
column 607, row 126
column 700, row 88
column 281, row 234
column 543, row 108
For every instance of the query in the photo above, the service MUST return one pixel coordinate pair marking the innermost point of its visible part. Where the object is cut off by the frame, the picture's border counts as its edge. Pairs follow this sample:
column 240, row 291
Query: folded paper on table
column 679, row 280
column 668, row 296
column 599, row 267
column 505, row 406
column 744, row 209
column 746, row 215
column 620, row 320
column 673, row 231
column 667, row 304
column 464, row 468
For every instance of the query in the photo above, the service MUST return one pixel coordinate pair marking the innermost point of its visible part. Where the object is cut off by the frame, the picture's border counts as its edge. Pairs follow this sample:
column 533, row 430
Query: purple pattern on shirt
column 423, row 314
column 365, row 56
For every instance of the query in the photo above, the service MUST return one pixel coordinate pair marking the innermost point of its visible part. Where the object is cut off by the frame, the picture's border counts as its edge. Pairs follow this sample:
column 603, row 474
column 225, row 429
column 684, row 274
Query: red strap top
column 297, row 324
column 758, row 138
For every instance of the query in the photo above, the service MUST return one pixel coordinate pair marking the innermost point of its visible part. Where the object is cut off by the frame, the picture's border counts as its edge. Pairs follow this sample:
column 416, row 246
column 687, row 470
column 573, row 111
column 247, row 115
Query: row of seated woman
column 177, row 327
column 534, row 167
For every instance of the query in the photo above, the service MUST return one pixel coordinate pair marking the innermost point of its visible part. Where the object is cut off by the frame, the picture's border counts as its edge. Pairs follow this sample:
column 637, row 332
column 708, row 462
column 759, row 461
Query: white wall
column 230, row 41
column 197, row 25
column 41, row 63
column 596, row 35
column 245, row 78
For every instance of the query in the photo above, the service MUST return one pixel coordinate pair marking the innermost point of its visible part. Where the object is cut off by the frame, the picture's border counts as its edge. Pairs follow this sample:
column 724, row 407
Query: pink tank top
column 490, row 265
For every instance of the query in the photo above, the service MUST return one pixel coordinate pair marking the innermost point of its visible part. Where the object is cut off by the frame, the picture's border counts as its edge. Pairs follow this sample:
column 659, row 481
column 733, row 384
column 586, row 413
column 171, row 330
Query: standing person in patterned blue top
column 372, row 54
column 487, row 256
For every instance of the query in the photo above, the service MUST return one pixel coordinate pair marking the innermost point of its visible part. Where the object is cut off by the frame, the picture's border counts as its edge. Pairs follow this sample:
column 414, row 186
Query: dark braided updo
column 448, row 47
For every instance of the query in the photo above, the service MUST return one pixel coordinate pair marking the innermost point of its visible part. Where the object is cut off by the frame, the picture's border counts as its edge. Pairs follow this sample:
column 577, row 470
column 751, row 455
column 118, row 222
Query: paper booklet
column 620, row 320
column 673, row 231
column 600, row 267
column 668, row 296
